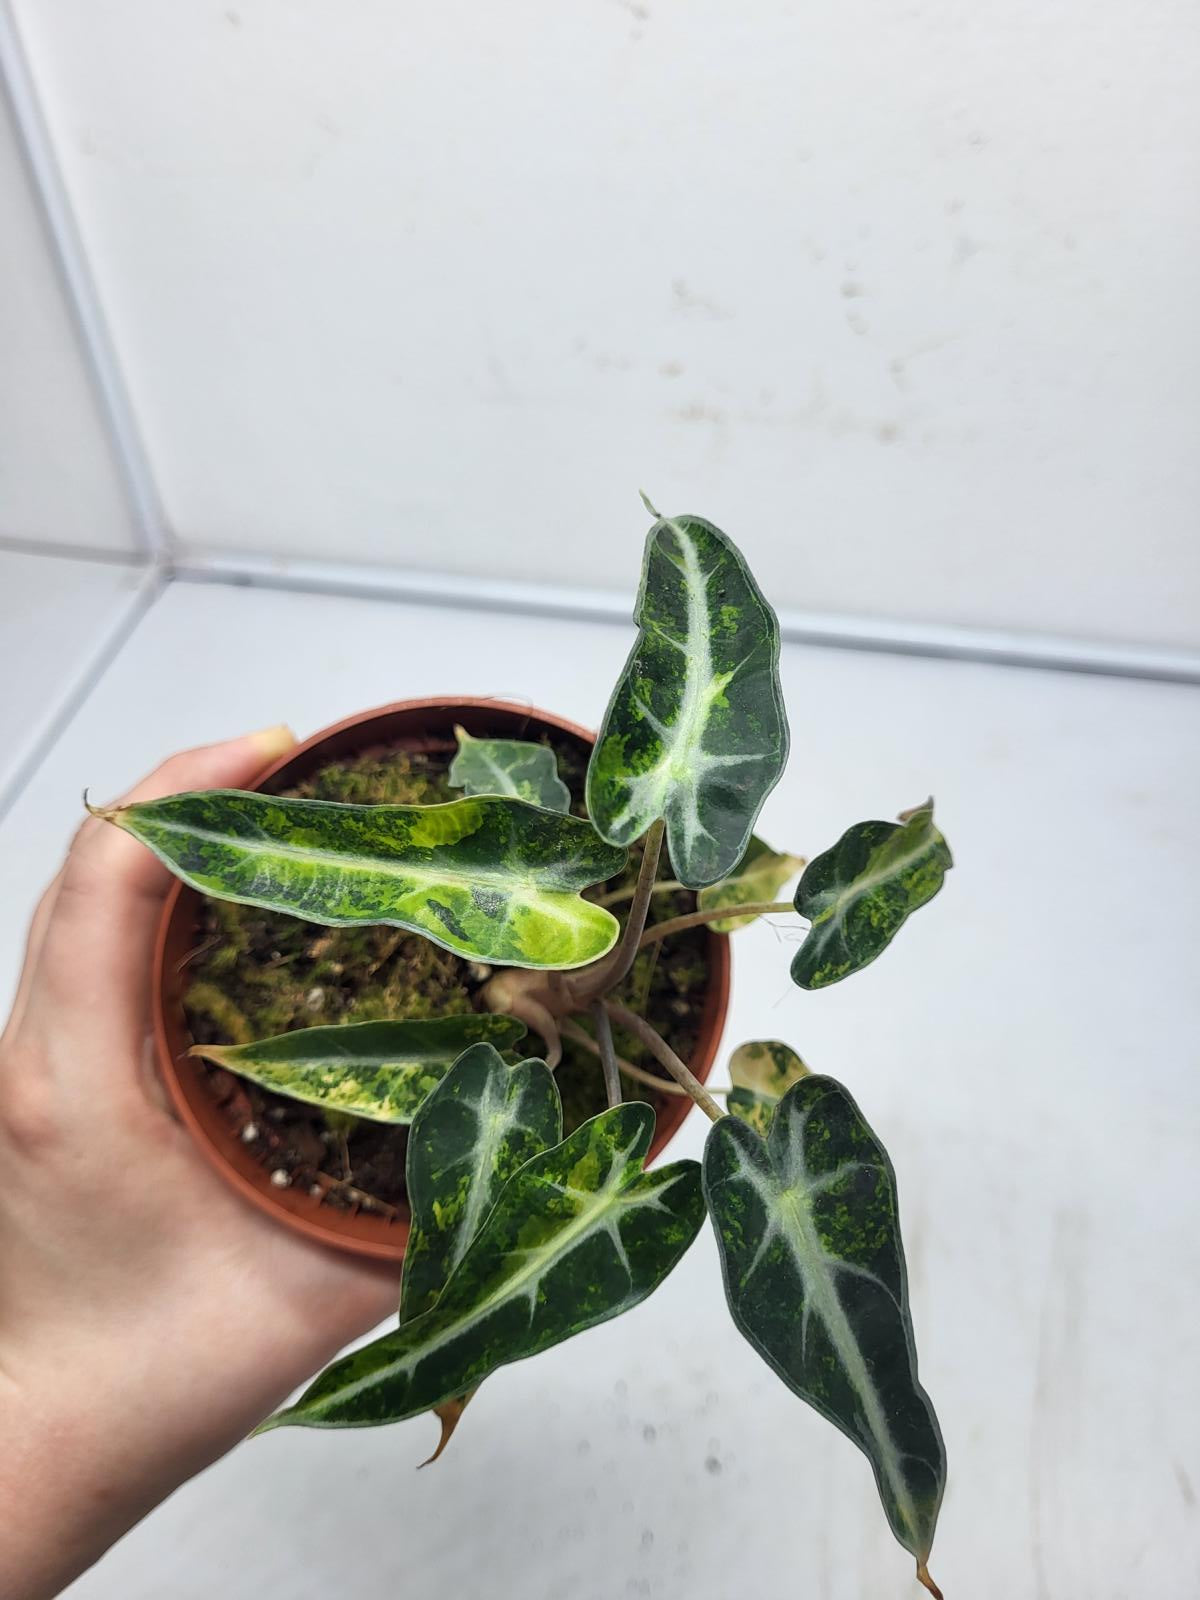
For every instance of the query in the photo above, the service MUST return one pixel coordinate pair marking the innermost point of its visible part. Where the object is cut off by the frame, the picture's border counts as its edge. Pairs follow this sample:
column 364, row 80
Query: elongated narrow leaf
column 859, row 894
column 509, row 766
column 814, row 1271
column 494, row 879
column 759, row 876
column 483, row 1121
column 696, row 730
column 761, row 1072
column 578, row 1235
column 378, row 1070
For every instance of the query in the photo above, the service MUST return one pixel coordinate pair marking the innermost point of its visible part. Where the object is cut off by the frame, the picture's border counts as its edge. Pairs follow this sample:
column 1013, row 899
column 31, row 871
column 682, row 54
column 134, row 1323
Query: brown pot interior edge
column 411, row 723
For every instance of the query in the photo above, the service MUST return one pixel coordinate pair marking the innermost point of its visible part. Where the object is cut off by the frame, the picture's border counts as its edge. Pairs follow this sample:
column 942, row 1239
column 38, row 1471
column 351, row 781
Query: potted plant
column 523, row 1231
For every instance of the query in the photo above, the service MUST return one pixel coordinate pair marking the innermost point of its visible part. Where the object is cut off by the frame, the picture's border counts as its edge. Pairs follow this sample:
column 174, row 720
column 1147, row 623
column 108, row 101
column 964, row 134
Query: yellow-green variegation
column 809, row 1236
column 509, row 766
column 378, row 1070
column 859, row 894
column 493, row 879
column 696, row 731
column 759, row 876
column 761, row 1072
column 482, row 1121
column 579, row 1234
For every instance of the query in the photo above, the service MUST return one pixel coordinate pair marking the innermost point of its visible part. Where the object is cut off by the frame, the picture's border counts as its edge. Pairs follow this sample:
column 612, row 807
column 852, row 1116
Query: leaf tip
column 924, row 1579
column 915, row 811
column 650, row 506
column 209, row 1052
column 449, row 1415
column 278, row 1419
column 104, row 813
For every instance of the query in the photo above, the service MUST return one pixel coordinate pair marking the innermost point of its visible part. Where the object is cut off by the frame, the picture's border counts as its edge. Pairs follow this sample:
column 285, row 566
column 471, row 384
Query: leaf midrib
column 808, row 1248
column 872, row 880
column 565, row 1242
column 516, row 887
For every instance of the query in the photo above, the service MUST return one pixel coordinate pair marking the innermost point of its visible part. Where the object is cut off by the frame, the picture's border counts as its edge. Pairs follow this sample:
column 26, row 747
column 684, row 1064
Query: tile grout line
column 79, row 288
column 151, row 585
column 938, row 641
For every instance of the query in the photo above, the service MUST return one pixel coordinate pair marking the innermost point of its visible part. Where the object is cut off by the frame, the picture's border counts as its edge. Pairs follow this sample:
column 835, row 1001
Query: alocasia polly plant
column 521, row 1238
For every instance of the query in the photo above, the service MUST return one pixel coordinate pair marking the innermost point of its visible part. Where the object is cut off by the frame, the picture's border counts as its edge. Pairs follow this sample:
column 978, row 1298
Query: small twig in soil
column 359, row 1196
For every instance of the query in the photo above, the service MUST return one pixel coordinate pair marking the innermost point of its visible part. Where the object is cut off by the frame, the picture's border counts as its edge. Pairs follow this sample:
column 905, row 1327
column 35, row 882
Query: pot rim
column 358, row 1233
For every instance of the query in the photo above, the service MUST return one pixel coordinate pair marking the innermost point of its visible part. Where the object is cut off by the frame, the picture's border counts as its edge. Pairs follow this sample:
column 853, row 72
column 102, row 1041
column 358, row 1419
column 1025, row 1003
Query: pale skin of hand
column 149, row 1317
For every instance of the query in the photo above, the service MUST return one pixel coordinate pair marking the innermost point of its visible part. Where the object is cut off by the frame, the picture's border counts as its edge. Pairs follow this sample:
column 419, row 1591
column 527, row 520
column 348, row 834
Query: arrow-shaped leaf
column 378, row 1070
column 483, row 1121
column 761, row 1072
column 814, row 1271
column 696, row 730
column 859, row 894
column 578, row 1235
column 509, row 766
column 493, row 879
column 759, row 876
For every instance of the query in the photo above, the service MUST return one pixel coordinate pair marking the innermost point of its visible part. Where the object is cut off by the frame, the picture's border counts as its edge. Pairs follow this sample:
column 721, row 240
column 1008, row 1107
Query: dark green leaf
column 483, row 1121
column 696, row 730
column 761, row 1072
column 759, row 876
column 493, row 879
column 814, row 1270
column 859, row 894
column 578, row 1235
column 378, row 1070
column 509, row 766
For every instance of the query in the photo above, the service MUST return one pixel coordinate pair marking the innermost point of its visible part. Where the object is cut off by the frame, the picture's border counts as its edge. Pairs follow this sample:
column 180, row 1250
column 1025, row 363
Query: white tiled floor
column 1028, row 1051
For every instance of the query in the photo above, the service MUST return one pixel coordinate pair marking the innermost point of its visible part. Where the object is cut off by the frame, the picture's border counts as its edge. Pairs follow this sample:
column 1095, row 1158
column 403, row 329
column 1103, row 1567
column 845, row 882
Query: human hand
column 149, row 1317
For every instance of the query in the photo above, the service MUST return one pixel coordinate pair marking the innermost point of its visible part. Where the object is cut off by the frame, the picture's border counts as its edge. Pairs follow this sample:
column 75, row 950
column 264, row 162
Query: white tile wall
column 902, row 296
column 58, row 482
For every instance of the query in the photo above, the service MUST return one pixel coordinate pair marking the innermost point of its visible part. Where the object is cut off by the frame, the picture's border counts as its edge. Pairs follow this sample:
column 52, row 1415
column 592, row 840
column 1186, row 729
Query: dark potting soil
column 257, row 973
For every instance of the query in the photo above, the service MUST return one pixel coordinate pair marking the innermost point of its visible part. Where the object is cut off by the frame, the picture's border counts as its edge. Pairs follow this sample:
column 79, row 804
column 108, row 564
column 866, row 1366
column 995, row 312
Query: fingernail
column 272, row 742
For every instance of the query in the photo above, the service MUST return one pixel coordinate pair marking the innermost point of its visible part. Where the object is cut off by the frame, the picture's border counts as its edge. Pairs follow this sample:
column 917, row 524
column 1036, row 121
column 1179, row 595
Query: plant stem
column 665, row 1056
column 606, row 973
column 697, row 919
column 652, row 1080
column 608, row 1056
column 663, row 886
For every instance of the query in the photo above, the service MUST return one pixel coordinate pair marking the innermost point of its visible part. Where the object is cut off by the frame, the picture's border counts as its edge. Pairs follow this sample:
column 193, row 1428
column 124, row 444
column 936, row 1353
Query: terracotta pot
column 409, row 725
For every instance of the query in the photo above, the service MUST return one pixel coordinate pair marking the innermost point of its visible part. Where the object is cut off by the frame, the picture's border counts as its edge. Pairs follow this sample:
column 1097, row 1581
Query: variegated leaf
column 509, row 766
column 696, row 731
column 493, row 879
column 761, row 1072
column 578, row 1235
column 859, row 894
column 814, row 1271
column 759, row 876
column 378, row 1070
column 482, row 1121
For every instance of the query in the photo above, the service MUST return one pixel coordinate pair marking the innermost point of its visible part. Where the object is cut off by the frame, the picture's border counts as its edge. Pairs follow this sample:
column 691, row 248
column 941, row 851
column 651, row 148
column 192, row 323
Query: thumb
column 112, row 886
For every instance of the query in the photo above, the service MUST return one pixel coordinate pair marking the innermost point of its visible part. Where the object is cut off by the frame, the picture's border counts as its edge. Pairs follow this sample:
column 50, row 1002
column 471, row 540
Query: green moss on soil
column 257, row 973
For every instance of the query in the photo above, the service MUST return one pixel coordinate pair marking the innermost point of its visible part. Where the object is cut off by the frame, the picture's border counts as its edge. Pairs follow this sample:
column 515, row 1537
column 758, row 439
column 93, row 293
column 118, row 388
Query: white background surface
column 1027, row 1051
column 901, row 296
column 58, row 485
